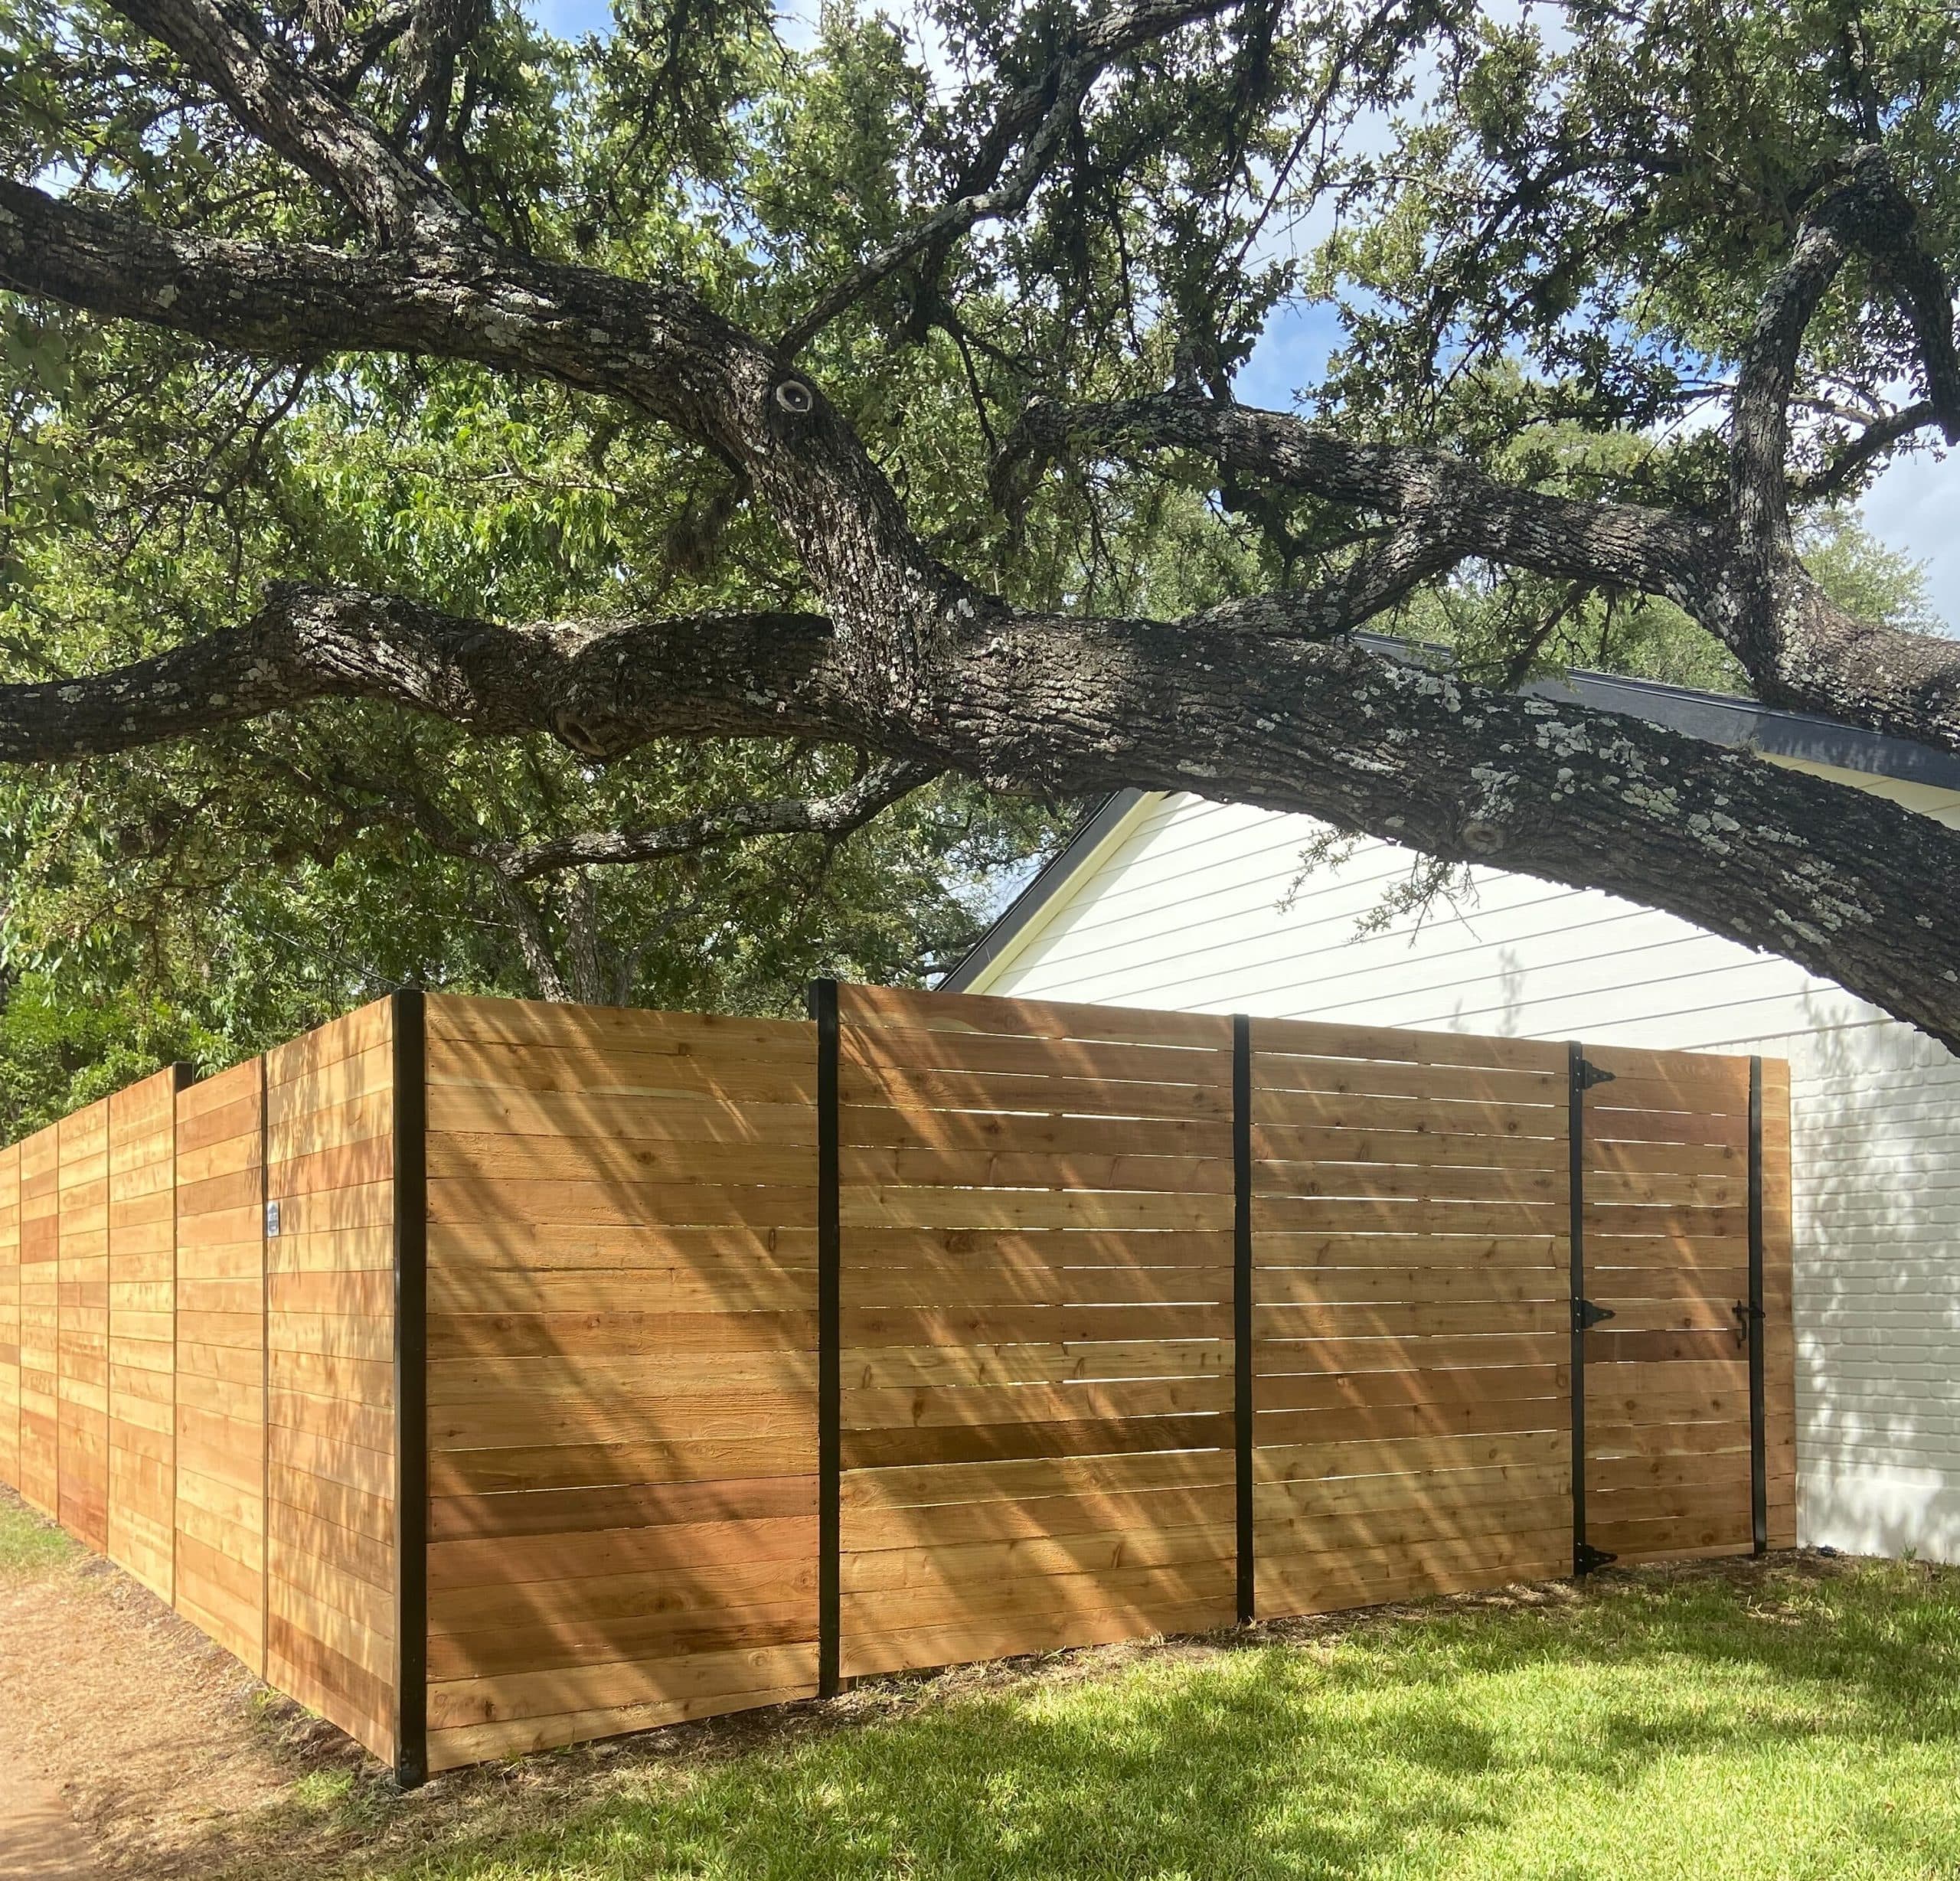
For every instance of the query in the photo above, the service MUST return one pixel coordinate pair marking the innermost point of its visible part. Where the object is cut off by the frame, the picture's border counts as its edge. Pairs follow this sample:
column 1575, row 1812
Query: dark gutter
column 1720, row 718
column 1746, row 725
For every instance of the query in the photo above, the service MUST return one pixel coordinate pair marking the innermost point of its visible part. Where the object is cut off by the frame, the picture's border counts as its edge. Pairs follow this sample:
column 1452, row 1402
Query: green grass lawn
column 1679, row 1727
column 1801, row 1720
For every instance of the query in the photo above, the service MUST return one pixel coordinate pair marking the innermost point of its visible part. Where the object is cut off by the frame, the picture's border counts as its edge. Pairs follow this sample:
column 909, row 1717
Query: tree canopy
column 650, row 516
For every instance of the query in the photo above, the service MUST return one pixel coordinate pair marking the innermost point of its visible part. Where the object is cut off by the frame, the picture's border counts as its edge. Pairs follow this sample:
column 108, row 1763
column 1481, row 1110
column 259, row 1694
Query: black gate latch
column 1746, row 1318
column 1586, row 1315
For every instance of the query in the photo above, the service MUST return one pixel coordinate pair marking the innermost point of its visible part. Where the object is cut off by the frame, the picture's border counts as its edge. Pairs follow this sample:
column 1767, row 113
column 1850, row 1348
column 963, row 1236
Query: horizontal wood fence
column 205, row 1394
column 490, row 1376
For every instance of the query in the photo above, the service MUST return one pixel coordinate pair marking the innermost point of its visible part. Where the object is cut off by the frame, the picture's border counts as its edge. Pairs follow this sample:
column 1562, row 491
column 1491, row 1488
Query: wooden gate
column 1411, row 1381
column 1682, row 1286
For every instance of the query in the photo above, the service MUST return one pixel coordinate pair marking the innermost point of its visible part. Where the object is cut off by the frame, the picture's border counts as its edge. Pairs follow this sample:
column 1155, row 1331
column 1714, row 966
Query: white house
column 1171, row 901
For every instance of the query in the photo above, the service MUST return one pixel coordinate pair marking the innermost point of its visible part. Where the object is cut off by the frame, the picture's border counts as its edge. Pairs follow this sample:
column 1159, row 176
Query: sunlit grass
column 1698, row 1730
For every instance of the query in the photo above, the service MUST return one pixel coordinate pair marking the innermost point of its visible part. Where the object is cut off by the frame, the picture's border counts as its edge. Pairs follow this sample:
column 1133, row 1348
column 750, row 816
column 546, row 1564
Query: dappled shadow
column 1403, row 1743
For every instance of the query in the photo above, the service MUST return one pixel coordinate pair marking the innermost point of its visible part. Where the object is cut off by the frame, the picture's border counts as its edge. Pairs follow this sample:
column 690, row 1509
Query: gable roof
column 1799, row 738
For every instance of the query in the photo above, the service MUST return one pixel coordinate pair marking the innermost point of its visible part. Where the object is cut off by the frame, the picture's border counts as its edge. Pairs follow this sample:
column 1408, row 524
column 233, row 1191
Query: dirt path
column 38, row 1838
column 172, row 1758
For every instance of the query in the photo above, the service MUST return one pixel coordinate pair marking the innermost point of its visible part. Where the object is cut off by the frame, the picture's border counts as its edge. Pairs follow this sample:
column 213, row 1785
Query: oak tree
column 910, row 363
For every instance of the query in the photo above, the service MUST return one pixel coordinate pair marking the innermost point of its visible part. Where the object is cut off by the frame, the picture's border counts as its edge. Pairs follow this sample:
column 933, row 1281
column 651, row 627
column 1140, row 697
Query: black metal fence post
column 411, row 1383
column 1242, row 1302
column 1759, row 1463
column 268, row 1227
column 1576, row 1225
column 1581, row 1076
column 823, row 1010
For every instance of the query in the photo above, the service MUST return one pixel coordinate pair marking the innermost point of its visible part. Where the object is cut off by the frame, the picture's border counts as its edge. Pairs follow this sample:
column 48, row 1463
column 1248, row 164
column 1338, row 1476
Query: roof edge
column 1722, row 718
column 1054, row 876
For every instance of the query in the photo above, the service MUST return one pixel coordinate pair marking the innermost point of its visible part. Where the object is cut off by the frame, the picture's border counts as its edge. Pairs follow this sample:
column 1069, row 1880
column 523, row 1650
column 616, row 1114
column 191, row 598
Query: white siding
column 1201, row 907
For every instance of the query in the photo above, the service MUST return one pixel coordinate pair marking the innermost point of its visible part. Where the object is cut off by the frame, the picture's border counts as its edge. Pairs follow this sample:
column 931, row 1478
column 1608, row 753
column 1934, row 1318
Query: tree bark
column 1851, row 885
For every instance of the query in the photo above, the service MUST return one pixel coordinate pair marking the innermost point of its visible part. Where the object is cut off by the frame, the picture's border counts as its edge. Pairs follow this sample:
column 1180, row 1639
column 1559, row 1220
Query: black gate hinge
column 1590, row 1074
column 1586, row 1558
column 1586, row 1315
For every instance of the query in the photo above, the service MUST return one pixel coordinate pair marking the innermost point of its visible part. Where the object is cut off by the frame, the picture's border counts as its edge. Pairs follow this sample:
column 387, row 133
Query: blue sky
column 1292, row 352
column 569, row 18
column 1914, row 506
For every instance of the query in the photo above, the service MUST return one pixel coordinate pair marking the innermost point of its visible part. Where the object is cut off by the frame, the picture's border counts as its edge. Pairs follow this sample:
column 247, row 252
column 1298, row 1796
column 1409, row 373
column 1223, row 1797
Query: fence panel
column 1411, row 1284
column 330, row 1467
column 221, row 1359
column 622, row 1417
column 82, row 1340
column 10, row 1315
column 142, row 1347
column 40, row 1334
column 1667, row 1249
column 1035, row 1205
column 1667, row 1253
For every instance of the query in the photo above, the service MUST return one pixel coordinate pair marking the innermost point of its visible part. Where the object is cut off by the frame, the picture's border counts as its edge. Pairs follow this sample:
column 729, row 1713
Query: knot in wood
column 1483, row 838
column 795, row 398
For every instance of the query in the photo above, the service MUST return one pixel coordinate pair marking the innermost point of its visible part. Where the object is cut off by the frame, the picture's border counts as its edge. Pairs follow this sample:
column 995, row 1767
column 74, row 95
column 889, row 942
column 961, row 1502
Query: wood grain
column 1411, row 1402
column 621, row 1338
column 221, row 1418
column 330, row 1469
column 1667, row 1380
column 143, row 1345
column 1037, row 1406
column 10, row 1316
column 1036, row 1209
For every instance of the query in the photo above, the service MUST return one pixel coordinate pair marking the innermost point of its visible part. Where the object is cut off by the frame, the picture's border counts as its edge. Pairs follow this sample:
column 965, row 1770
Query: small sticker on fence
column 271, row 1218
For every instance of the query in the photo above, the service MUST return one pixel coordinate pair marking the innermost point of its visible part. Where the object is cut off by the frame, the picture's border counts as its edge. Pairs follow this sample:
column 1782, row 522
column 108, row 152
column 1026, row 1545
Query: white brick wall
column 1185, row 912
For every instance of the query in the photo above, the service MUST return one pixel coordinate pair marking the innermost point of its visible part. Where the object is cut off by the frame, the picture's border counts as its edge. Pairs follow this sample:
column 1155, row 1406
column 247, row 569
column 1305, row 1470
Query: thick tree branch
column 894, row 610
column 1850, row 886
column 1759, row 414
column 655, row 347
column 746, row 675
column 1446, row 497
column 438, row 32
column 1810, row 655
column 299, row 115
column 914, row 665
column 534, row 941
column 1864, row 210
